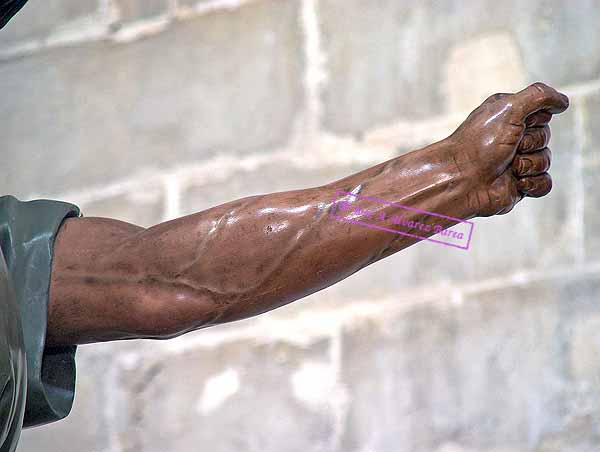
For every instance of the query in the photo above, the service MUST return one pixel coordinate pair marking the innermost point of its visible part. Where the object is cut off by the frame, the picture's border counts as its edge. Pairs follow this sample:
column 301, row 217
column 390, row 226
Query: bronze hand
column 502, row 144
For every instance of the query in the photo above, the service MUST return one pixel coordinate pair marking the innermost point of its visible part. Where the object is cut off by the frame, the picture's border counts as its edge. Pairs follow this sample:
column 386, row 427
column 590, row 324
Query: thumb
column 536, row 97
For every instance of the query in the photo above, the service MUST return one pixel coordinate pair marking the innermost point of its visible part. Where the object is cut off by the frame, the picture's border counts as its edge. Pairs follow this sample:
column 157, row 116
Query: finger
column 516, row 195
column 540, row 96
column 534, row 139
column 532, row 164
column 538, row 119
column 535, row 186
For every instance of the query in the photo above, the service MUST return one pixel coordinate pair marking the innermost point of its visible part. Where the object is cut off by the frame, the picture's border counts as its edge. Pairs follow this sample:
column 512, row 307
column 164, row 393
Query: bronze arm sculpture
column 112, row 280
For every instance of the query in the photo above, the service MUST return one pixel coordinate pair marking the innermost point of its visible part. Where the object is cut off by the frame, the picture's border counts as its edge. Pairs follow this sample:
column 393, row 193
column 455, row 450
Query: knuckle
column 542, row 88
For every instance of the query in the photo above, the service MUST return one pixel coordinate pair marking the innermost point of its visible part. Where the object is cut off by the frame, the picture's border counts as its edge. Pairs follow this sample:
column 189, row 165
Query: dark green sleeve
column 27, row 233
column 13, row 365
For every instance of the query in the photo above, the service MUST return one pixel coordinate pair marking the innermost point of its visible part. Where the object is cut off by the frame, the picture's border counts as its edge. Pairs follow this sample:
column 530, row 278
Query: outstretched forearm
column 238, row 259
column 112, row 280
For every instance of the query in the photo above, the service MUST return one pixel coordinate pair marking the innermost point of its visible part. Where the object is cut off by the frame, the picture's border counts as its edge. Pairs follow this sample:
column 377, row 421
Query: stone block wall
column 148, row 110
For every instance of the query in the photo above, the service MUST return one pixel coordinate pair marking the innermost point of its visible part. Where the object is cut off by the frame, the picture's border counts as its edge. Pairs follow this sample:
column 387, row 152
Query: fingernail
column 525, row 166
column 526, row 142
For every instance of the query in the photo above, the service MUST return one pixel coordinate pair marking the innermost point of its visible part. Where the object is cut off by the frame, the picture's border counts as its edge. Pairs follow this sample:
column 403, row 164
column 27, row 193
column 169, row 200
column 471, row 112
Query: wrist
column 462, row 187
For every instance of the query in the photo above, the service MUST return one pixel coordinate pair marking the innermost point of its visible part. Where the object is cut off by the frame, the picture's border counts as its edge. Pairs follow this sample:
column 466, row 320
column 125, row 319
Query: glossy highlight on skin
column 113, row 280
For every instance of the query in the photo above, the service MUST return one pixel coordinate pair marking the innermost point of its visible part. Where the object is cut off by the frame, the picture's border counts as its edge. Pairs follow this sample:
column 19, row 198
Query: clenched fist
column 503, row 146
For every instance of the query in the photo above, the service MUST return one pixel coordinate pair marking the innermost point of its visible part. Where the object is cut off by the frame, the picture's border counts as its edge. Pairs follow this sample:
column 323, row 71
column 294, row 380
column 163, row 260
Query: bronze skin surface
column 112, row 280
